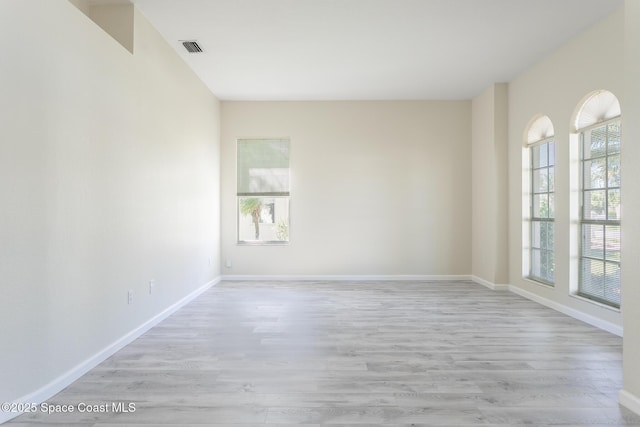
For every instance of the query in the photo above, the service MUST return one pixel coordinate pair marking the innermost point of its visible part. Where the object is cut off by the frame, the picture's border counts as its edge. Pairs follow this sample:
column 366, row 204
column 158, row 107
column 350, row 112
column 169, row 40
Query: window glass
column 600, row 214
column 263, row 190
column 542, row 225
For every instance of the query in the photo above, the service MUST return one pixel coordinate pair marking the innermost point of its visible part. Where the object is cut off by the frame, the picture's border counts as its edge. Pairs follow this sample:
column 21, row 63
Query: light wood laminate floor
column 357, row 353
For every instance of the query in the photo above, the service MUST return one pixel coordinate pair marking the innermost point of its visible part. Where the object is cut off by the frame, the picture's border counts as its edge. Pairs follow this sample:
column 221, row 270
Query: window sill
column 546, row 285
column 268, row 243
column 594, row 302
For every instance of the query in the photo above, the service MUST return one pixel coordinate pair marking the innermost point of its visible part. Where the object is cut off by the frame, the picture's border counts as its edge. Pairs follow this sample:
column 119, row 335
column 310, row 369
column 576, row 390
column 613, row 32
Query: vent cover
column 192, row 46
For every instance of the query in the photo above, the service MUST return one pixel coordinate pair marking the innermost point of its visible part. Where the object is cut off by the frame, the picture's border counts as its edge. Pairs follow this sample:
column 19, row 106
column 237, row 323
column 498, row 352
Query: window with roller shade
column 263, row 190
column 599, row 126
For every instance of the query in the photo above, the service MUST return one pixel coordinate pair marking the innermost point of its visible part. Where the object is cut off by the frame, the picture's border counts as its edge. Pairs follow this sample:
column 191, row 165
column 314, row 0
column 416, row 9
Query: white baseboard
column 54, row 387
column 330, row 277
column 576, row 314
column 629, row 401
column 490, row 285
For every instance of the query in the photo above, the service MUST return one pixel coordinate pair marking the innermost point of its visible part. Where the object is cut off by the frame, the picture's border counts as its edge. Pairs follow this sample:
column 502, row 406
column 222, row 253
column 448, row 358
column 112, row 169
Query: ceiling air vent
column 192, row 46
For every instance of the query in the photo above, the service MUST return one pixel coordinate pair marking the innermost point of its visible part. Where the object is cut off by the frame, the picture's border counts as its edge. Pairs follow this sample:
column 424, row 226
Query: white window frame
column 279, row 196
column 598, row 222
column 535, row 219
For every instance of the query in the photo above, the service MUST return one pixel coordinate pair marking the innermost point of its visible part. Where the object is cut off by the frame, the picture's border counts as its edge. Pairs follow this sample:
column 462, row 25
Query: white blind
column 263, row 167
column 599, row 107
column 540, row 129
column 600, row 216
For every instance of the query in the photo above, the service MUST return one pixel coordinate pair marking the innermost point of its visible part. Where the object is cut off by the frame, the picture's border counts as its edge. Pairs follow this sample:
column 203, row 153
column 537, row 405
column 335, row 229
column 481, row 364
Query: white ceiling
column 366, row 49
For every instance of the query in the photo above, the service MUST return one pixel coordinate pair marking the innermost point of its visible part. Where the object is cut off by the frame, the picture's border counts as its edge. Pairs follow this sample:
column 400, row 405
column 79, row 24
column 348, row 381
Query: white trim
column 576, row 314
column 629, row 401
column 594, row 302
column 539, row 283
column 56, row 386
column 331, row 277
column 490, row 285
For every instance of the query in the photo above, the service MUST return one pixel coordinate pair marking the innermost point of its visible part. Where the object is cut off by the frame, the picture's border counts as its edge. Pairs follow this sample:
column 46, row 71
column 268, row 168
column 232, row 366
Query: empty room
column 319, row 212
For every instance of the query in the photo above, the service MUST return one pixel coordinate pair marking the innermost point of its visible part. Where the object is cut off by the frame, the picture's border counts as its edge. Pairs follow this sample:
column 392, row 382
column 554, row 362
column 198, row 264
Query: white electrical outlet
column 152, row 285
column 228, row 263
column 210, row 261
column 130, row 296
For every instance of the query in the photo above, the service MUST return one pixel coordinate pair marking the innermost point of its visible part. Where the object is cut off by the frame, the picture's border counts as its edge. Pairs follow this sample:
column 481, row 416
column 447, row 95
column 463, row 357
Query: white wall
column 109, row 177
column 378, row 188
column 555, row 87
column 631, row 206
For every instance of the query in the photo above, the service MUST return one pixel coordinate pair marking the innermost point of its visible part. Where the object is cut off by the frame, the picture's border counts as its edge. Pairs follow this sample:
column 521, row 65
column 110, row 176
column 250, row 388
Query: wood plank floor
column 364, row 353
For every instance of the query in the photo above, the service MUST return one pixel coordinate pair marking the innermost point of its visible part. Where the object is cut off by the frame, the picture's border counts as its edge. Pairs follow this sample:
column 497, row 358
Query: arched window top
column 597, row 107
column 540, row 129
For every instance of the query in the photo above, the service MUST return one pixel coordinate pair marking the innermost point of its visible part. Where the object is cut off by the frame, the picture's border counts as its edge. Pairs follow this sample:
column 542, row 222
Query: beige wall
column 109, row 178
column 489, row 186
column 115, row 19
column 378, row 188
column 631, row 200
column 555, row 87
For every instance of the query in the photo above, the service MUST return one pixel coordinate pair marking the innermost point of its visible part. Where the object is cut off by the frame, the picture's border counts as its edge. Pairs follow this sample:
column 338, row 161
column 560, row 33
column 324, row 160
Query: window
column 543, row 212
column 600, row 213
column 263, row 190
column 599, row 126
column 542, row 201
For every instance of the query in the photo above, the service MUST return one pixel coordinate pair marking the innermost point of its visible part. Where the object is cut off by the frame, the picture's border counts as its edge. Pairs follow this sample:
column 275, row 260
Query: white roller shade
column 263, row 167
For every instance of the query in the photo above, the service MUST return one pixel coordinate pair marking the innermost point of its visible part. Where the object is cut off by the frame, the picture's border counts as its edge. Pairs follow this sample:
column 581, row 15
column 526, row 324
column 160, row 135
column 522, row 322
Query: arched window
column 598, row 124
column 542, row 200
